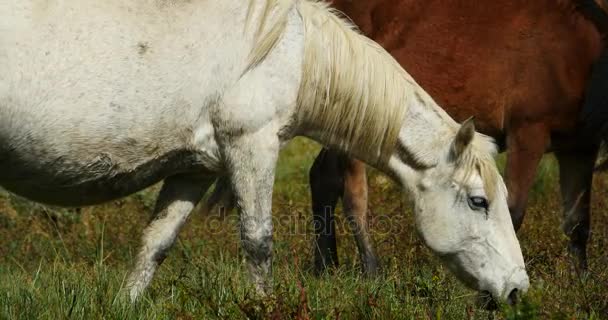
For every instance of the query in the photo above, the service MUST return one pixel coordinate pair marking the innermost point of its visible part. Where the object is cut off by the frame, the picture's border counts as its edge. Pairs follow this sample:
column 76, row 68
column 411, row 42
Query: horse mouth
column 513, row 298
column 486, row 301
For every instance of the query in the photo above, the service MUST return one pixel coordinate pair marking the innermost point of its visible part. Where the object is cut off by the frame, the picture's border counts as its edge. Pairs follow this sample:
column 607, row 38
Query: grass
column 71, row 264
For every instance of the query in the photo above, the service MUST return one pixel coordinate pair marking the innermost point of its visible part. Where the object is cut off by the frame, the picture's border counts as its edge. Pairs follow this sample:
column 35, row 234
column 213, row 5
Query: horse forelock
column 352, row 90
column 479, row 158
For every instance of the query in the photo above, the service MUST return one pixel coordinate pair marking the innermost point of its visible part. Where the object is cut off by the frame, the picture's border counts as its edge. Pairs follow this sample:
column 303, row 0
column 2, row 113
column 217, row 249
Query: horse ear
column 464, row 137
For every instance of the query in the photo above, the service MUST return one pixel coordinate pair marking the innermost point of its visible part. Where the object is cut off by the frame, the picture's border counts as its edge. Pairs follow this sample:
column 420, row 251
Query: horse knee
column 578, row 231
column 257, row 248
column 157, row 244
column 355, row 193
column 256, row 239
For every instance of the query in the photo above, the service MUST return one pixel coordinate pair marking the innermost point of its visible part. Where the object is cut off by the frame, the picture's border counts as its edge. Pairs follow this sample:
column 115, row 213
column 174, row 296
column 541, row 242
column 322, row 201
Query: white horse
column 100, row 99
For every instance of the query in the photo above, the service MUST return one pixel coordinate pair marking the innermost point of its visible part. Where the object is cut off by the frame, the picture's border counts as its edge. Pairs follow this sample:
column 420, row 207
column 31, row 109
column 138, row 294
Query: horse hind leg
column 326, row 178
column 178, row 197
column 576, row 175
column 355, row 207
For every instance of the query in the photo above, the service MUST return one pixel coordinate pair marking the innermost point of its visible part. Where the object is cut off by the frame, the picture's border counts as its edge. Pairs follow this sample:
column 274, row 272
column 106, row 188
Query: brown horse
column 521, row 67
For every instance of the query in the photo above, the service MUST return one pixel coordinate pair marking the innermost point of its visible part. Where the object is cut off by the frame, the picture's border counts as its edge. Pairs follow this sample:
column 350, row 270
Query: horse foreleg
column 576, row 176
column 178, row 196
column 355, row 207
column 326, row 186
column 251, row 163
column 525, row 148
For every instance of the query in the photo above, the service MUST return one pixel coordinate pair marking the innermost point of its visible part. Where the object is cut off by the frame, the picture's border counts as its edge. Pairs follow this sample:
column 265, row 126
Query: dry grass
column 57, row 263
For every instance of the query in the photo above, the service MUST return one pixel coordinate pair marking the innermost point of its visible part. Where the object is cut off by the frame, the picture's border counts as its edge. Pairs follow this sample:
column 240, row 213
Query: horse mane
column 266, row 38
column 352, row 91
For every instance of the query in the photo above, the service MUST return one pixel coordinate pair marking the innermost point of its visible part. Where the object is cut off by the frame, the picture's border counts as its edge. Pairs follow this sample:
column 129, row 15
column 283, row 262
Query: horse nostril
column 512, row 299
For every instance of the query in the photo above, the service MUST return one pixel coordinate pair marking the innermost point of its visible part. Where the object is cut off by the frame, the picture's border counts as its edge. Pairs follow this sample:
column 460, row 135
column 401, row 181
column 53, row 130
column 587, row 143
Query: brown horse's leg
column 525, row 147
column 355, row 208
column 576, row 175
column 326, row 186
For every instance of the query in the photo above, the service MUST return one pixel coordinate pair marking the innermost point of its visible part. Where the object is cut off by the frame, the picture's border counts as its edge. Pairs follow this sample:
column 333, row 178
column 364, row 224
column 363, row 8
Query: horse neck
column 354, row 96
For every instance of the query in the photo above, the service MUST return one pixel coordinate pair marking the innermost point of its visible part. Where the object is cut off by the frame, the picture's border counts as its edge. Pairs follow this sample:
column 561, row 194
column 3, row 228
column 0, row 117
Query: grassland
column 71, row 264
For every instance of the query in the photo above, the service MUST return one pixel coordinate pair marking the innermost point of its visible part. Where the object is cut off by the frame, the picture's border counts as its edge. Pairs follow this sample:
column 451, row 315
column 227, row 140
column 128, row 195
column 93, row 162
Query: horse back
column 101, row 99
column 506, row 62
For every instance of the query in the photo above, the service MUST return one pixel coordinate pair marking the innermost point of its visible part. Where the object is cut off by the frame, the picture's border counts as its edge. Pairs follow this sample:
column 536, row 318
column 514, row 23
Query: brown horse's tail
column 595, row 12
column 595, row 108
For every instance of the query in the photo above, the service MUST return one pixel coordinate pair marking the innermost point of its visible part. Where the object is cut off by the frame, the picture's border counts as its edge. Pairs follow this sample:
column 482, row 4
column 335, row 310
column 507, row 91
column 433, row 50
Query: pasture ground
column 71, row 263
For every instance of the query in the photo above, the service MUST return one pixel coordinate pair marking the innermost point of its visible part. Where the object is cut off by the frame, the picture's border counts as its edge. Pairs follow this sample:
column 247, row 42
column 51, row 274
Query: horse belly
column 75, row 161
column 70, row 183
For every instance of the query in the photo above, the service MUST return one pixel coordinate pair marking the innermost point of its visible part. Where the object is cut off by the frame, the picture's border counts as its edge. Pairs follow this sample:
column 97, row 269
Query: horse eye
column 478, row 203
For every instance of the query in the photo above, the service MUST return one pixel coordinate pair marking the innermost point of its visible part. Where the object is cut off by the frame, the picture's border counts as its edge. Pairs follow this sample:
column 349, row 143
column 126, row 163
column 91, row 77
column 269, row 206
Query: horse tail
column 595, row 13
column 594, row 114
